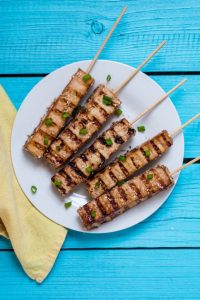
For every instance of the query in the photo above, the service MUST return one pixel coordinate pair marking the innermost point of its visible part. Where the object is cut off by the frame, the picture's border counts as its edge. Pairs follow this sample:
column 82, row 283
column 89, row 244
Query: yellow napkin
column 36, row 240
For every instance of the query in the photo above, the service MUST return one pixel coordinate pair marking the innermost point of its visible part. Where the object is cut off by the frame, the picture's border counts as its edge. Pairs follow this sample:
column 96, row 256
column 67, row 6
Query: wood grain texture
column 175, row 224
column 186, row 101
column 114, row 274
column 39, row 36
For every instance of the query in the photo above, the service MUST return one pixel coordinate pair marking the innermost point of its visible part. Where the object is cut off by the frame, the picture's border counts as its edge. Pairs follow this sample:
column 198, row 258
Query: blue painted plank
column 175, row 224
column 114, row 274
column 186, row 100
column 39, row 36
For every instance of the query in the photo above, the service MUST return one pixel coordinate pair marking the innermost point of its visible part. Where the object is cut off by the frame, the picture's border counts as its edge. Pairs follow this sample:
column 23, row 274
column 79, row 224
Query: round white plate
column 136, row 96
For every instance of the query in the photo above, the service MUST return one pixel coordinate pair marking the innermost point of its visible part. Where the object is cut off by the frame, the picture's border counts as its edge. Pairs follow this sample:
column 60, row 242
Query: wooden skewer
column 158, row 101
column 185, row 124
column 139, row 68
column 186, row 165
column 106, row 40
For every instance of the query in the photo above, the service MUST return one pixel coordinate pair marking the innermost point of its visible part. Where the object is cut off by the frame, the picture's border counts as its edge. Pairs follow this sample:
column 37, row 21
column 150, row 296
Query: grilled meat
column 82, row 166
column 120, row 198
column 55, row 118
column 99, row 107
column 131, row 162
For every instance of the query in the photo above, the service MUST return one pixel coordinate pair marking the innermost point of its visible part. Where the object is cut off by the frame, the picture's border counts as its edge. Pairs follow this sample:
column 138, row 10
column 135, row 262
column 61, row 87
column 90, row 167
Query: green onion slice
column 108, row 78
column 118, row 112
column 58, row 148
column 149, row 176
column 147, row 153
column 88, row 169
column 48, row 122
column 57, row 183
column 107, row 100
column 109, row 142
column 65, row 115
column 86, row 77
column 33, row 189
column 141, row 128
column 68, row 204
column 93, row 214
column 122, row 158
column 46, row 140
column 97, row 184
column 121, row 182
column 83, row 131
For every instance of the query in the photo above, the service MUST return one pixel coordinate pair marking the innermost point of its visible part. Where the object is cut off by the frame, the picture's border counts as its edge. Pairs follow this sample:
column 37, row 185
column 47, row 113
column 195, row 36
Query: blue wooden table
column 159, row 258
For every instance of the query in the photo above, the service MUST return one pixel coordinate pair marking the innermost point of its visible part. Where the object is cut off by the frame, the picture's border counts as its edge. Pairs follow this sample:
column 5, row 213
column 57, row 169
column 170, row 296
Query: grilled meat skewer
column 97, row 110
column 56, row 117
column 120, row 198
column 126, row 165
column 82, row 166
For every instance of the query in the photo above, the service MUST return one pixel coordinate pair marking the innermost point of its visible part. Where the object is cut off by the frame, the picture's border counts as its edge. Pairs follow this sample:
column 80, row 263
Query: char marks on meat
column 93, row 158
column 135, row 160
column 56, row 117
column 119, row 199
column 94, row 115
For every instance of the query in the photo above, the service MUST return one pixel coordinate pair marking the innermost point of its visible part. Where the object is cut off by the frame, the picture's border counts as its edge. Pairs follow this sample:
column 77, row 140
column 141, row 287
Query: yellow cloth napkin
column 36, row 240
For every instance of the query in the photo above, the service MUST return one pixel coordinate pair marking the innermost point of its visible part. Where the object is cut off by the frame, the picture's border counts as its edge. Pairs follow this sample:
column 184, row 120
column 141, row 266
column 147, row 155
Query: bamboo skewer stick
column 139, row 68
column 158, row 101
column 185, row 124
column 184, row 166
column 106, row 40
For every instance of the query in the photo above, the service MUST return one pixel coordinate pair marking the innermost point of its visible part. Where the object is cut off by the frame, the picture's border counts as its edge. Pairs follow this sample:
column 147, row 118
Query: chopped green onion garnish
column 65, row 115
column 97, row 184
column 141, row 128
column 109, row 142
column 118, row 112
column 46, row 140
column 68, row 204
column 58, row 148
column 76, row 110
column 121, row 182
column 122, row 158
column 48, row 122
column 33, row 189
column 86, row 77
column 83, row 131
column 107, row 100
column 149, row 176
column 108, row 78
column 88, row 169
column 57, row 183
column 147, row 153
column 93, row 214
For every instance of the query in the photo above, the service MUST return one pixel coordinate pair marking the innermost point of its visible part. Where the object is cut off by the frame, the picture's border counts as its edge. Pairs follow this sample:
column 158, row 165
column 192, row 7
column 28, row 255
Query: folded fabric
column 35, row 239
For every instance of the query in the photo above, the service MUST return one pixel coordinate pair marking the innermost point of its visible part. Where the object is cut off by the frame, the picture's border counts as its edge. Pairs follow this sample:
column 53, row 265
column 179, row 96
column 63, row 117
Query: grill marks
column 92, row 117
column 66, row 102
column 135, row 160
column 93, row 157
column 128, row 195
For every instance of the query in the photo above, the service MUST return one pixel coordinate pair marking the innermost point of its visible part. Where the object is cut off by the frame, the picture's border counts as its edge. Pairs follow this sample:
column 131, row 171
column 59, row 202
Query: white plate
column 136, row 96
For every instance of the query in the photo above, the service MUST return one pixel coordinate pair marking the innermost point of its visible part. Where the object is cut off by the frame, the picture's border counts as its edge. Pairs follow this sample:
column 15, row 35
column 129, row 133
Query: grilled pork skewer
column 134, row 160
column 120, row 198
column 100, row 106
column 58, row 113
column 81, row 167
column 77, row 170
